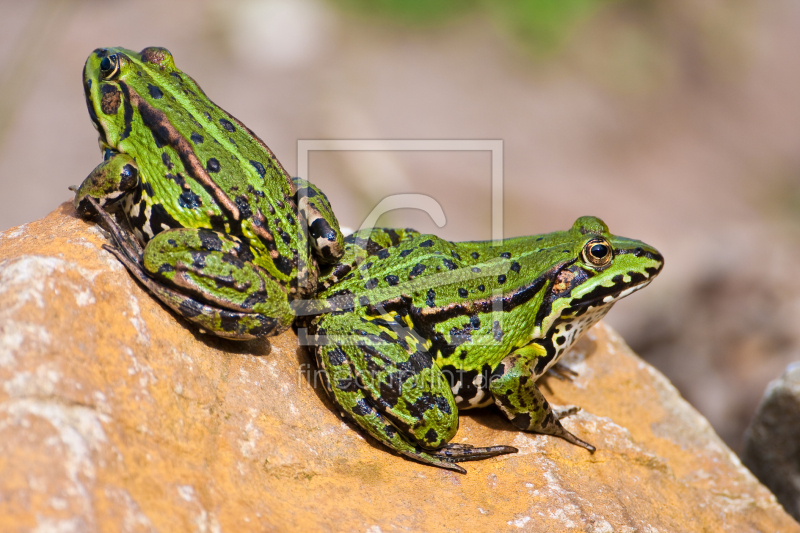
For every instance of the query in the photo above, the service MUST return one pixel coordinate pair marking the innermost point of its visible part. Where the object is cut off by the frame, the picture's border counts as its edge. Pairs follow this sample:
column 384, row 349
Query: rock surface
column 116, row 416
column 772, row 442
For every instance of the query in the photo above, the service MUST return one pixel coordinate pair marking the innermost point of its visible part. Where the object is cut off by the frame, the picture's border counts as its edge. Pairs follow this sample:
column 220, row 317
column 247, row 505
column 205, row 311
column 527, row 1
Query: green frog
column 221, row 233
column 412, row 328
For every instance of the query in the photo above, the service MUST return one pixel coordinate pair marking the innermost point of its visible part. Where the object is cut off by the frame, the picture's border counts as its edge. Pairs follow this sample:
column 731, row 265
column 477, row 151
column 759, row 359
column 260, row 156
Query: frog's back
column 226, row 148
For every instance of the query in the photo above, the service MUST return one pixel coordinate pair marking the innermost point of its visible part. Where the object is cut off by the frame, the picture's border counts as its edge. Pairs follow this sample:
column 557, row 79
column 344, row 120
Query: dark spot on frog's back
column 189, row 200
column 416, row 271
column 166, row 160
column 196, row 138
column 430, row 299
column 391, row 279
column 212, row 165
column 210, row 240
column 109, row 102
column 259, row 168
column 227, row 125
column 154, row 91
column 244, row 206
column 426, row 244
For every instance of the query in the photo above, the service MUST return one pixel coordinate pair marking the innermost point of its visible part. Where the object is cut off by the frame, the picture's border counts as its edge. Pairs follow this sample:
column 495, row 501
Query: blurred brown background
column 676, row 121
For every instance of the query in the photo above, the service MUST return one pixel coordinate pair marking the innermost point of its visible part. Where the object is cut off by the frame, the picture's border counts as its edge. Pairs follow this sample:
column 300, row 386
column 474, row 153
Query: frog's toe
column 552, row 426
column 459, row 452
column 562, row 372
column 565, row 411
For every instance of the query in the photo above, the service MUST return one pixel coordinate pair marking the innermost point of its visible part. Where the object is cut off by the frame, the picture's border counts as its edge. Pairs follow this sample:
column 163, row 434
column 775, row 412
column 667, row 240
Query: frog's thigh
column 334, row 353
column 399, row 379
column 208, row 284
column 515, row 392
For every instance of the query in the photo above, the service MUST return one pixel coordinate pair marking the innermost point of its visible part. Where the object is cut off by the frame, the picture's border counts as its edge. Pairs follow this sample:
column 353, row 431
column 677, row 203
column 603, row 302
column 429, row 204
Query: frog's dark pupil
column 105, row 64
column 599, row 251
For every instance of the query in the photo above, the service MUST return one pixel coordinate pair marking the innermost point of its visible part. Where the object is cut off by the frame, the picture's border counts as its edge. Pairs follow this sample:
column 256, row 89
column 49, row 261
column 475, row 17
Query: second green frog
column 414, row 328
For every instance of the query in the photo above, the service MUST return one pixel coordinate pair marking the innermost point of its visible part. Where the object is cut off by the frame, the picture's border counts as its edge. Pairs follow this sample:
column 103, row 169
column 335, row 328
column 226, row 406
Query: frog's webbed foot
column 517, row 395
column 459, row 452
column 562, row 372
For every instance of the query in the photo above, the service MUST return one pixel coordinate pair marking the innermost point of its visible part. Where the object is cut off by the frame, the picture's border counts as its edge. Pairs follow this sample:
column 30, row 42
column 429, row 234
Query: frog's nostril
column 638, row 252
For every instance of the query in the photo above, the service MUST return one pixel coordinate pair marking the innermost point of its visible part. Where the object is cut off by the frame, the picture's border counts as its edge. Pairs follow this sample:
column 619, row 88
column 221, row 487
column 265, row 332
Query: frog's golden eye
column 109, row 66
column 597, row 253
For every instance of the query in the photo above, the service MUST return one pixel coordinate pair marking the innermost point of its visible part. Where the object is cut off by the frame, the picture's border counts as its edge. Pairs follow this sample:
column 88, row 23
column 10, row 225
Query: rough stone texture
column 116, row 416
column 772, row 442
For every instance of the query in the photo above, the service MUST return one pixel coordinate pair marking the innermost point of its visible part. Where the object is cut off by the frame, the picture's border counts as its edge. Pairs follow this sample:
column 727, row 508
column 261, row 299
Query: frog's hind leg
column 198, row 273
column 393, row 391
column 515, row 392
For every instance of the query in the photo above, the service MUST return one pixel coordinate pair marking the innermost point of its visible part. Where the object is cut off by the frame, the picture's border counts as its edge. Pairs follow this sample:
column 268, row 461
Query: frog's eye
column 597, row 253
column 109, row 66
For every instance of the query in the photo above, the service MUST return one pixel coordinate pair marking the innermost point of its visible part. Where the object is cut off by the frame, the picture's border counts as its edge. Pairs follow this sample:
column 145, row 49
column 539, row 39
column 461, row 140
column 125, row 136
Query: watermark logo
column 492, row 268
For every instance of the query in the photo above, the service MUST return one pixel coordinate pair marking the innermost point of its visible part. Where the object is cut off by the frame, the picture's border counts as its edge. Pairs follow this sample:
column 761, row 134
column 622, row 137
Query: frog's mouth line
column 610, row 298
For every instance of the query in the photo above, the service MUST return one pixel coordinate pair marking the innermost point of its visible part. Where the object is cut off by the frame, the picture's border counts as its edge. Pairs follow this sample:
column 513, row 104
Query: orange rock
column 117, row 416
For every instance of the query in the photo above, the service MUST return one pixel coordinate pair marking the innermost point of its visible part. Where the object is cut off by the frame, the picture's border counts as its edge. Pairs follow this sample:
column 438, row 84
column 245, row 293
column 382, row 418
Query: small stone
column 772, row 441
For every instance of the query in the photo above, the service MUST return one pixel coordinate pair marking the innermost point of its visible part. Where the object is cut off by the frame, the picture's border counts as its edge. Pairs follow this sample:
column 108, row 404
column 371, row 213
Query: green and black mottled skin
column 417, row 328
column 223, row 235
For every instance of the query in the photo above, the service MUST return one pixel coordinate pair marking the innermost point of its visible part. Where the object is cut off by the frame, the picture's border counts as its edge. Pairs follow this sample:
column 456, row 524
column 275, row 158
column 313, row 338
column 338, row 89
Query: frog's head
column 596, row 270
column 112, row 78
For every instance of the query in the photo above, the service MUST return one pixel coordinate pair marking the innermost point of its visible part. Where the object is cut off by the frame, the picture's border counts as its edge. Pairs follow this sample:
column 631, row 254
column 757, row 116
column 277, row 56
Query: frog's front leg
column 107, row 183
column 377, row 373
column 513, row 386
column 325, row 237
column 201, row 274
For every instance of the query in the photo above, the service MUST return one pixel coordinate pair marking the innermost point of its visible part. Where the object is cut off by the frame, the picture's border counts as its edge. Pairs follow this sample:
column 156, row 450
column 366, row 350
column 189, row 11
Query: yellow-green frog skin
column 417, row 328
column 223, row 235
